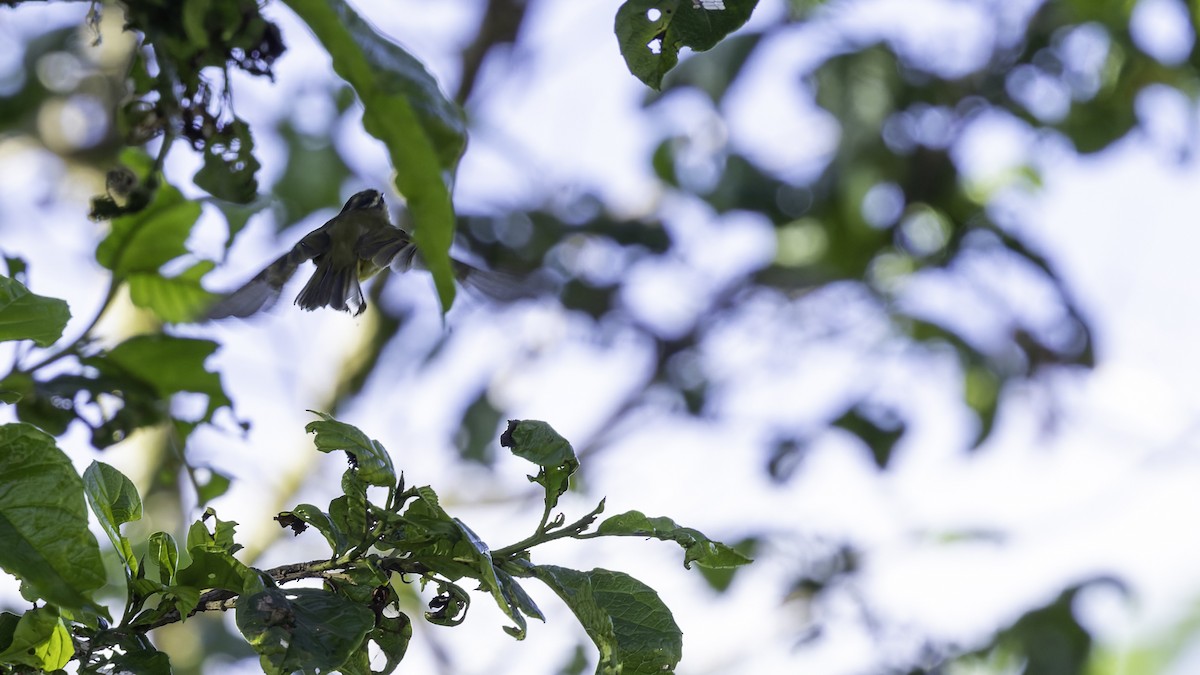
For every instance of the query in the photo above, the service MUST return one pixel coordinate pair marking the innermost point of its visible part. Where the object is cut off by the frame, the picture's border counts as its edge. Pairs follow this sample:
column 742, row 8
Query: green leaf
column 392, row 636
column 168, row 365
column 164, row 553
column 229, row 164
column 699, row 548
column 314, row 516
column 651, row 32
column 9, row 397
column 425, row 132
column 177, row 299
column 145, row 661
column 306, row 629
column 508, row 594
column 539, row 443
column 40, row 640
column 43, row 521
column 213, row 569
column 314, row 175
column 349, row 512
column 220, row 539
column 629, row 623
column 26, row 316
column 372, row 462
column 115, row 501
column 144, row 241
column 215, row 485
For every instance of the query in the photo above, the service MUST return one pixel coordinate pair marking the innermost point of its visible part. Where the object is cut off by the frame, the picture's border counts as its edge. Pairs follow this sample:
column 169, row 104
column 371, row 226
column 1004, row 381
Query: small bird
column 350, row 248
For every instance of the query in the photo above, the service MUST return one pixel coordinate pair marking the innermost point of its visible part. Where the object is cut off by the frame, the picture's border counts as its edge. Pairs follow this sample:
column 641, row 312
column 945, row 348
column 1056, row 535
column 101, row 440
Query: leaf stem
column 84, row 337
column 574, row 530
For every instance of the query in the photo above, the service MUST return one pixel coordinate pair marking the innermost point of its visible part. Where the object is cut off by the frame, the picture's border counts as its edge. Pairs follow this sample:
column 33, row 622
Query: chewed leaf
column 652, row 32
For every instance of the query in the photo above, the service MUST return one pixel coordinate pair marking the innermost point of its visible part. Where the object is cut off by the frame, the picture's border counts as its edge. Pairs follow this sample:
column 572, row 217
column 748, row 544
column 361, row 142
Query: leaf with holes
column 651, row 32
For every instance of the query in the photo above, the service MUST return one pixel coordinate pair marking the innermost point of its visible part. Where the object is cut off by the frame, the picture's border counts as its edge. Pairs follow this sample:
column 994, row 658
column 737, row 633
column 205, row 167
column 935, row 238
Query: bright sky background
column 1102, row 482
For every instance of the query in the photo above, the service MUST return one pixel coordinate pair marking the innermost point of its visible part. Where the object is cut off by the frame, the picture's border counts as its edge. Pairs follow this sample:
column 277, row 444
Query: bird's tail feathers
column 333, row 286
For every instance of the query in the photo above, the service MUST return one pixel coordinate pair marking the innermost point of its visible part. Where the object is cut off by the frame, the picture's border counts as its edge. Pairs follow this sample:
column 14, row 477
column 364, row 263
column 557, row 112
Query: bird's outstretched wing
column 263, row 290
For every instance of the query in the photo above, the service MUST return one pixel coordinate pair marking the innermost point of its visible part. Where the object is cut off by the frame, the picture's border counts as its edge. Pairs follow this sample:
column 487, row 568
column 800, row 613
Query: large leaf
column 402, row 106
column 40, row 640
column 629, row 623
column 372, row 461
column 44, row 537
column 26, row 316
column 144, row 241
column 651, row 32
column 115, row 501
column 302, row 629
column 175, row 299
column 167, row 364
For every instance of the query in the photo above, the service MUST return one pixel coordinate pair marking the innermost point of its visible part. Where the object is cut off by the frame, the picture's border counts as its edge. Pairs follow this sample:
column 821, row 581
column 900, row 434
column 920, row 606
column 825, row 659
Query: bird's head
column 367, row 200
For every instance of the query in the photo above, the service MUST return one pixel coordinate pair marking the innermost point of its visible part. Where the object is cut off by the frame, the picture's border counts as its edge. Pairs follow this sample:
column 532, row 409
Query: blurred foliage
column 890, row 205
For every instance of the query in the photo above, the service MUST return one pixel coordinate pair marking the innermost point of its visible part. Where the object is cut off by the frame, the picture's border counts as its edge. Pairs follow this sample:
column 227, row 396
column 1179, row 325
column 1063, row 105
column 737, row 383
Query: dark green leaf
column 9, row 397
column 651, row 32
column 229, row 164
column 144, row 661
column 372, row 461
column 144, row 241
column 540, row 444
column 168, row 364
column 879, row 430
column 177, row 299
column 324, row 524
column 508, row 594
column 26, row 316
column 306, row 629
column 629, row 623
column 115, row 501
column 714, row 73
column 43, row 520
column 40, row 640
column 392, row 636
column 424, row 132
column 698, row 547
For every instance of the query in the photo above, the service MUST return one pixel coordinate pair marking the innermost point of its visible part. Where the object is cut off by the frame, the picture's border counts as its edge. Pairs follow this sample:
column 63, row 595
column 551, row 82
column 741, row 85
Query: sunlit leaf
column 115, row 501
column 176, row 299
column 40, row 640
column 144, row 241
column 43, row 520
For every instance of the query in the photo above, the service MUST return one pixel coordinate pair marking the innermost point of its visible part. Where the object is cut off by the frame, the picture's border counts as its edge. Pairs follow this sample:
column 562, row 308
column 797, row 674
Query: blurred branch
column 500, row 24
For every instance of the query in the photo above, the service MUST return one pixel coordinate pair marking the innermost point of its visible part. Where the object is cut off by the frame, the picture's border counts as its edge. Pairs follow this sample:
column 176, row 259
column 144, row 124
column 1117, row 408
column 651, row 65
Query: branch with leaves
column 374, row 548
